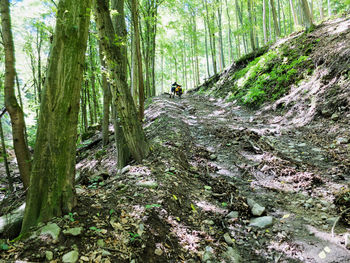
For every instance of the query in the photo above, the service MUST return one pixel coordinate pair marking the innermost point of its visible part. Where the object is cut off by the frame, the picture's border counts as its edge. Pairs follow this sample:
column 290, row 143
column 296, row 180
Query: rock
column 262, row 222
column 85, row 259
column 208, row 254
column 79, row 190
column 148, row 184
column 302, row 144
column 49, row 255
column 76, row 231
column 70, row 257
column 232, row 214
column 208, row 222
column 51, row 229
column 258, row 210
column 213, row 157
column 106, row 253
column 100, row 243
column 125, row 169
column 172, row 169
column 347, row 240
column 158, row 251
column 232, row 255
column 335, row 116
column 342, row 140
column 228, row 239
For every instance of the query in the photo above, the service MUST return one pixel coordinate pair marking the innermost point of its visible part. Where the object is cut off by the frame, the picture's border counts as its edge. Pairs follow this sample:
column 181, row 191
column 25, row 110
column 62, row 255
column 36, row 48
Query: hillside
column 252, row 166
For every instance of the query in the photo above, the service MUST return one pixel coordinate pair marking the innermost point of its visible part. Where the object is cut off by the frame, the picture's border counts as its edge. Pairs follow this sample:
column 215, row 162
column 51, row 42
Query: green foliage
column 152, row 205
column 134, row 237
column 270, row 76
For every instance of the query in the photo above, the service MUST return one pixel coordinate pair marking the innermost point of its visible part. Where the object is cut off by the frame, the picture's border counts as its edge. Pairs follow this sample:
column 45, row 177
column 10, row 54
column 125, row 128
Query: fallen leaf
column 322, row 255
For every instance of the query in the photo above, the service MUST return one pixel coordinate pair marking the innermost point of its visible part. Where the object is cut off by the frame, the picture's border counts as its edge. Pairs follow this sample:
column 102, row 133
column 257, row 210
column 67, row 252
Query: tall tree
column 138, row 57
column 134, row 134
column 51, row 192
column 307, row 14
column 275, row 21
column 11, row 104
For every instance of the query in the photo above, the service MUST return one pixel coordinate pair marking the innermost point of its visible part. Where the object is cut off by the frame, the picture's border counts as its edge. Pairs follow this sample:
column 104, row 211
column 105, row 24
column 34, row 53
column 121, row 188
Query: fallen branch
column 336, row 221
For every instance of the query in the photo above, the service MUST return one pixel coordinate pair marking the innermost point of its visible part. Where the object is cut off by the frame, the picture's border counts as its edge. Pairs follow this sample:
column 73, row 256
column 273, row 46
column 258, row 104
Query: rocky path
column 277, row 169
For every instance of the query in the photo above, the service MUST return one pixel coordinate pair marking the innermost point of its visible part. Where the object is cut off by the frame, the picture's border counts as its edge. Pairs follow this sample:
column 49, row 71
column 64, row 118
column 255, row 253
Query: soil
column 210, row 158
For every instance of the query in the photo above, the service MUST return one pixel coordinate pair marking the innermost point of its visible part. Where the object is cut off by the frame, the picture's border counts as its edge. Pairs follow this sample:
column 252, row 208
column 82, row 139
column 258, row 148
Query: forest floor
column 213, row 165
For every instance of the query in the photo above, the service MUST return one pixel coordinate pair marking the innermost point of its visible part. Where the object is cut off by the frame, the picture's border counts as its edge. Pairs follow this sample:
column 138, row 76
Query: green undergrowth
column 270, row 76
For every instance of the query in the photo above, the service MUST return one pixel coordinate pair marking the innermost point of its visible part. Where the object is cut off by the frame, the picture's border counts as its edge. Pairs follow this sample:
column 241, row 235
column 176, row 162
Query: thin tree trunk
column 230, row 33
column 320, row 6
column 221, row 41
column 296, row 22
column 329, row 8
column 264, row 22
column 4, row 155
column 206, row 47
column 135, row 19
column 252, row 40
column 306, row 13
column 11, row 104
column 274, row 16
column 132, row 128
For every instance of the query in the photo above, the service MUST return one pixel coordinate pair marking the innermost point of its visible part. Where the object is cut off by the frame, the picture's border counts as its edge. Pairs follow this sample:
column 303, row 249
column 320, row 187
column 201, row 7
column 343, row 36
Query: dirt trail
column 278, row 169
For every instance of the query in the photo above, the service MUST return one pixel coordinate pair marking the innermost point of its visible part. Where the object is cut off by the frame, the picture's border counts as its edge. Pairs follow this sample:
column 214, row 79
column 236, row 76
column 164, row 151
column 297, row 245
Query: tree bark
column 11, row 104
column 141, row 89
column 4, row 154
column 132, row 128
column 295, row 18
column 51, row 192
column 264, row 22
column 274, row 16
column 307, row 14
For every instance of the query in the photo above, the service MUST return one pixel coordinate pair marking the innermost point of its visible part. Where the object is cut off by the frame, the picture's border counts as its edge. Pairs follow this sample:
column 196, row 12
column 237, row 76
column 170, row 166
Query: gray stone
column 302, row 144
column 213, row 157
column 262, row 222
column 148, row 184
column 76, row 231
column 125, row 169
column 106, row 253
column 208, row 222
column 347, row 240
column 49, row 255
column 51, row 229
column 228, row 239
column 232, row 255
column 71, row 257
column 208, row 254
column 342, row 140
column 258, row 210
column 232, row 214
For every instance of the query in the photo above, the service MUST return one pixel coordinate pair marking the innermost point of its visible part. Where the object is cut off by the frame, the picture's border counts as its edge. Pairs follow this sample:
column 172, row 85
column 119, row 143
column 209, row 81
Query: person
column 178, row 90
column 173, row 89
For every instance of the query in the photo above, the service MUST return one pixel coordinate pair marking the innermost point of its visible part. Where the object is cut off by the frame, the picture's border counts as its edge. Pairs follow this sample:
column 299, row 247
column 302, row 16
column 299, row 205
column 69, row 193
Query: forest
column 99, row 163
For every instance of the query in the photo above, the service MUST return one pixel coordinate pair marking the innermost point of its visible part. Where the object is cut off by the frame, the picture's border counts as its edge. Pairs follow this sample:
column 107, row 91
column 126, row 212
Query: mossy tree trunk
column 52, row 179
column 138, row 56
column 133, row 132
column 11, row 104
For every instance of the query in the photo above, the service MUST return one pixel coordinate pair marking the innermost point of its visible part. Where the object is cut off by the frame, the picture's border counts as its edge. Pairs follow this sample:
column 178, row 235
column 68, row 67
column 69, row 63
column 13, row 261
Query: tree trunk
column 206, row 47
column 307, row 14
column 274, row 16
column 106, row 101
column 221, row 41
column 135, row 19
column 51, row 192
column 229, row 33
column 132, row 128
column 252, row 38
column 329, row 8
column 264, row 22
column 321, row 9
column 11, row 104
column 4, row 154
column 295, row 18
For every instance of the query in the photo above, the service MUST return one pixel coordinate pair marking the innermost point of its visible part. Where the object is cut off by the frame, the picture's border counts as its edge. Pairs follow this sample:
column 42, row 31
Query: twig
column 336, row 221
